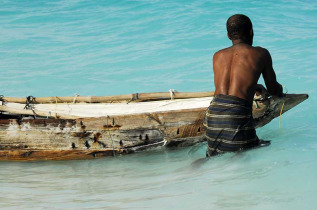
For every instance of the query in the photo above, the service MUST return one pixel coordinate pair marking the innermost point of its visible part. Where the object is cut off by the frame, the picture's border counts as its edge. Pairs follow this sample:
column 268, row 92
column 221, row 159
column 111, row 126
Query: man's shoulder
column 221, row 52
column 261, row 50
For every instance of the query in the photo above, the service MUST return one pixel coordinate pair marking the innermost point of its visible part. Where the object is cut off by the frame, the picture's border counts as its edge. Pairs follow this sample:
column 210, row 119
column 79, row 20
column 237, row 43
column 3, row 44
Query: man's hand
column 260, row 89
column 279, row 91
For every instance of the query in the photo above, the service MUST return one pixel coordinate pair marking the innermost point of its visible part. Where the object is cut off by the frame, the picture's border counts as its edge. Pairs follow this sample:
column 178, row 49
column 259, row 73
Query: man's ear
column 251, row 32
column 228, row 36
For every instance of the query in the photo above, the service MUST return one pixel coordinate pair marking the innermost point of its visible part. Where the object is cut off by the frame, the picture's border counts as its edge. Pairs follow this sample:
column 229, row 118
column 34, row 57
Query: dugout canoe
column 58, row 128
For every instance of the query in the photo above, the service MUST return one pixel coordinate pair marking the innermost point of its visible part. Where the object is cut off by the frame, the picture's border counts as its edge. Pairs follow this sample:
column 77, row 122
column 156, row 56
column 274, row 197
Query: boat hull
column 84, row 138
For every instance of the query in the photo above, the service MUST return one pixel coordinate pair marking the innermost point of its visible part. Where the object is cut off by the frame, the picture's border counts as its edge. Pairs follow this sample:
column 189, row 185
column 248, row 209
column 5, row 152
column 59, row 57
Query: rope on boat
column 1, row 100
column 285, row 88
column 29, row 104
column 281, row 115
column 172, row 93
column 134, row 97
column 113, row 153
column 279, row 125
column 256, row 104
column 55, row 107
column 76, row 95
column 164, row 142
column 147, row 146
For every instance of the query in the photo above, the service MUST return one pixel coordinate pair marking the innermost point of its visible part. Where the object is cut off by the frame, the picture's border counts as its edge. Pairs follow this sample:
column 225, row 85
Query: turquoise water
column 50, row 48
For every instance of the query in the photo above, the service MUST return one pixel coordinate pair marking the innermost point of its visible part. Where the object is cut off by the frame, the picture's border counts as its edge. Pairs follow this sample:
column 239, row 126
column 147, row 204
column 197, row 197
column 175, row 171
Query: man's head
column 239, row 27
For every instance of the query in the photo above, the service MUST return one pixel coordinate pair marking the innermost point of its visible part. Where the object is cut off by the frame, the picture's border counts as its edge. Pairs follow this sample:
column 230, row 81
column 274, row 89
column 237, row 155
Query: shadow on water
column 198, row 163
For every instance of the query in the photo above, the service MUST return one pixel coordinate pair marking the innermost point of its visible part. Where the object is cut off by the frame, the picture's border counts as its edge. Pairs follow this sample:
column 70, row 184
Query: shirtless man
column 229, row 122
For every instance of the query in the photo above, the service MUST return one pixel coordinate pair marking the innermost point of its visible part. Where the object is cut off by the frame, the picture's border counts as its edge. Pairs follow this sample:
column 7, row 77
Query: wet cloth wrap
column 229, row 125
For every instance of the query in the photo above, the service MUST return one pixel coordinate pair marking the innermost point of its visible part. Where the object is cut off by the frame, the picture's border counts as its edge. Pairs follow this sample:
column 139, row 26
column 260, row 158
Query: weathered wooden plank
column 27, row 155
column 98, row 134
column 115, row 98
column 71, row 99
column 172, row 95
column 35, row 113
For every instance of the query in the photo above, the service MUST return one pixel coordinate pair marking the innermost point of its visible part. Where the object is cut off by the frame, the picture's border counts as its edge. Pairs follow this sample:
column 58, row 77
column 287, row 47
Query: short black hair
column 239, row 26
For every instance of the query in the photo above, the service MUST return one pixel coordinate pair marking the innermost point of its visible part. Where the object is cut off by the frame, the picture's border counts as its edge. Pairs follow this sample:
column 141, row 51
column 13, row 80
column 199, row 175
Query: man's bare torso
column 238, row 68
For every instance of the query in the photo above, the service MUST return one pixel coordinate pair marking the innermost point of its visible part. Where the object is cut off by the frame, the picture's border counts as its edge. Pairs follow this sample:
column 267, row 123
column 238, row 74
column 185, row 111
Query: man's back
column 237, row 70
column 228, row 121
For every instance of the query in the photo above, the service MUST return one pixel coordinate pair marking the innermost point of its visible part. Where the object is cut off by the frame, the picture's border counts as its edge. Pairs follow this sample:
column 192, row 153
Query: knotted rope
column 29, row 104
column 172, row 93
column 1, row 100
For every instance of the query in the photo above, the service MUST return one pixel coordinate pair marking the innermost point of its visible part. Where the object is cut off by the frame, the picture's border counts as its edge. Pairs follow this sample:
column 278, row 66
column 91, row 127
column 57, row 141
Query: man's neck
column 240, row 41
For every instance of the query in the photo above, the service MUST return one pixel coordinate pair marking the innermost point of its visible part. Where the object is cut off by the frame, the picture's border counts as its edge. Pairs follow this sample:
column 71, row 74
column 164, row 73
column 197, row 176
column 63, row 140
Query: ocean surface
column 63, row 48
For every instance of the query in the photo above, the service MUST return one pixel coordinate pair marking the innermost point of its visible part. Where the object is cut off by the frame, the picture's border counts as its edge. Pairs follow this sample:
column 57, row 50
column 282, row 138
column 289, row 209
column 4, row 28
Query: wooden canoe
column 55, row 128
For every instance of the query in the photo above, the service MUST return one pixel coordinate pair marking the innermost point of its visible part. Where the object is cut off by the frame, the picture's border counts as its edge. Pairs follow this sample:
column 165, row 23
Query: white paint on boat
column 113, row 109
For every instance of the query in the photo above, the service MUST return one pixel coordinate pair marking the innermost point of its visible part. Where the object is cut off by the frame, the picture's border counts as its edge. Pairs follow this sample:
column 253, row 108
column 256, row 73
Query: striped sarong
column 229, row 125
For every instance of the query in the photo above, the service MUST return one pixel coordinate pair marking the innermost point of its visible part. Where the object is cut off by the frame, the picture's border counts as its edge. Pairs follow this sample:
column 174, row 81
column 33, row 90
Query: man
column 229, row 121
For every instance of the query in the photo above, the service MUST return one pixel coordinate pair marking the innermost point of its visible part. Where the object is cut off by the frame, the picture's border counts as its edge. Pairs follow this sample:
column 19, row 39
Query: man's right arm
column 273, row 87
